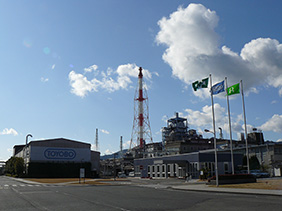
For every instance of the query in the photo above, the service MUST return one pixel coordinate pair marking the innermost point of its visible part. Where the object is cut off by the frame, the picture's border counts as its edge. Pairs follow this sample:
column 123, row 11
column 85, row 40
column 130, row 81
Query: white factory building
column 58, row 157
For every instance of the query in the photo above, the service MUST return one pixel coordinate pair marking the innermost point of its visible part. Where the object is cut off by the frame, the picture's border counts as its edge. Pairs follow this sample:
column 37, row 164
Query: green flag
column 200, row 84
column 235, row 89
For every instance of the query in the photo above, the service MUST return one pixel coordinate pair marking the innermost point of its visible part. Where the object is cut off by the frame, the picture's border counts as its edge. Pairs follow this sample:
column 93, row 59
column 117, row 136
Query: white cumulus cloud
column 10, row 131
column 81, row 85
column 273, row 124
column 91, row 68
column 104, row 131
column 193, row 52
column 110, row 80
column 44, row 79
column 203, row 119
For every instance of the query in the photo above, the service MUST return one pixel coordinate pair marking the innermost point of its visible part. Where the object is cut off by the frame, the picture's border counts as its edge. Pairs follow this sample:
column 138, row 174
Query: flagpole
column 246, row 134
column 231, row 142
column 214, row 135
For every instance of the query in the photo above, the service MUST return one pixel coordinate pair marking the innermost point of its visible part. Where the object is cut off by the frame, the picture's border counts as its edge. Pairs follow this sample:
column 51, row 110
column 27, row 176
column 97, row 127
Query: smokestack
column 141, row 130
column 96, row 140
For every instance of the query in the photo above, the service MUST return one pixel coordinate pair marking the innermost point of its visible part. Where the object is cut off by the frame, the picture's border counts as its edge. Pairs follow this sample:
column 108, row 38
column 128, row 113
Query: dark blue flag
column 217, row 88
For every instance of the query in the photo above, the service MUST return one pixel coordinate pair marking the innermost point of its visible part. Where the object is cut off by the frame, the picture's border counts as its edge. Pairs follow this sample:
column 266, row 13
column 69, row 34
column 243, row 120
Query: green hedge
column 58, row 170
column 233, row 178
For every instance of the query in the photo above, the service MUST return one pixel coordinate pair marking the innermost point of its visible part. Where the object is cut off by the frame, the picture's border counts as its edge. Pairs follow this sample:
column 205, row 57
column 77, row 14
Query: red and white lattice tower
column 141, row 130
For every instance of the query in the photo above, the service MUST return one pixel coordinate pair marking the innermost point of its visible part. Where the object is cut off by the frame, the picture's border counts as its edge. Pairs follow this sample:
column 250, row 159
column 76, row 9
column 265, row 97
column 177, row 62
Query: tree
column 253, row 161
column 15, row 166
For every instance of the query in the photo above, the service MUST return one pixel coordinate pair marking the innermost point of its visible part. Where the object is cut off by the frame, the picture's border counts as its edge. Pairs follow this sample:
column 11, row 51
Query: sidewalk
column 196, row 185
column 206, row 188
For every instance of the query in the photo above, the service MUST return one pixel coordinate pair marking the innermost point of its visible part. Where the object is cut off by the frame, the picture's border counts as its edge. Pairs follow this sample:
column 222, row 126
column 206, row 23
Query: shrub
column 15, row 166
column 233, row 178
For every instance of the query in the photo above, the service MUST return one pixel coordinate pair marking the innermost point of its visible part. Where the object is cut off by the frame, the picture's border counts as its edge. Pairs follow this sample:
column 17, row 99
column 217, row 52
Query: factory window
column 168, row 168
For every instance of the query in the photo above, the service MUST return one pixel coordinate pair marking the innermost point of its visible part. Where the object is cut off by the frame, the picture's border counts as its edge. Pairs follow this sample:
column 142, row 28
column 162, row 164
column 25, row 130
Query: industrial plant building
column 177, row 139
column 58, row 158
column 268, row 154
column 183, row 152
column 183, row 165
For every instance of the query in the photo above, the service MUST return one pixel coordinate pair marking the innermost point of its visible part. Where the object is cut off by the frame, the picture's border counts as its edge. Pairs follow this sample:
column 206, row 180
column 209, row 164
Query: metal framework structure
column 141, row 130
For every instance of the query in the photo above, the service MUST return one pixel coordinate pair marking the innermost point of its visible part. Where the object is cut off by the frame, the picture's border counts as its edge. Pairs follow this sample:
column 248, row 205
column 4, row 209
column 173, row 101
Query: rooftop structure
column 178, row 139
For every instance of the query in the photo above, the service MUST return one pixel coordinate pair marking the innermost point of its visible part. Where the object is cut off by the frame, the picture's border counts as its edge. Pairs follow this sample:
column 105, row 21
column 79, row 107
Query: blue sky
column 69, row 67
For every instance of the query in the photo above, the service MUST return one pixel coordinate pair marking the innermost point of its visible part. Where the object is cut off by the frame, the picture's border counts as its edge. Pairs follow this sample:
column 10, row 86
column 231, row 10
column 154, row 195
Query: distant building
column 176, row 129
column 153, row 150
column 255, row 138
column 183, row 165
column 177, row 139
column 184, row 152
column 268, row 154
column 58, row 158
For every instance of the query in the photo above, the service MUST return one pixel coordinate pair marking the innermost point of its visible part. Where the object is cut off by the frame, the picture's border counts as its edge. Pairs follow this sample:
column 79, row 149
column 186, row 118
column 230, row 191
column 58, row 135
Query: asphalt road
column 15, row 195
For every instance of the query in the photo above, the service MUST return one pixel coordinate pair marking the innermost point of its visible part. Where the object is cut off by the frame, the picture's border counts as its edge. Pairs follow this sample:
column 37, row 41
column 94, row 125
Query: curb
column 231, row 191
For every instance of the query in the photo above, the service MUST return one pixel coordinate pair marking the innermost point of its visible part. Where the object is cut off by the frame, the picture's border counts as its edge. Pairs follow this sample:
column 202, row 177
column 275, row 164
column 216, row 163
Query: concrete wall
column 95, row 161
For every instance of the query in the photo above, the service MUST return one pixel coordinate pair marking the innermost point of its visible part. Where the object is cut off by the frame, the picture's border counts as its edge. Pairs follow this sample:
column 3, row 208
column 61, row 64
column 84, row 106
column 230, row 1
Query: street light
column 26, row 138
column 115, row 166
column 25, row 151
column 215, row 155
column 208, row 131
